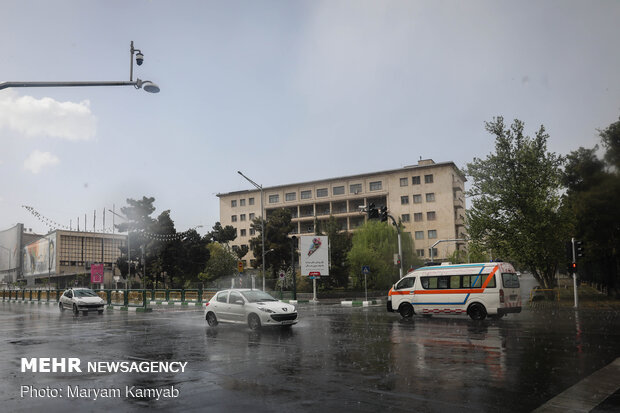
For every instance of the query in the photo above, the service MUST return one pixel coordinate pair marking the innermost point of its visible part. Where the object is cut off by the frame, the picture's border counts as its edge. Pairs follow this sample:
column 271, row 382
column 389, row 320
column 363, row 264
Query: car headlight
column 266, row 310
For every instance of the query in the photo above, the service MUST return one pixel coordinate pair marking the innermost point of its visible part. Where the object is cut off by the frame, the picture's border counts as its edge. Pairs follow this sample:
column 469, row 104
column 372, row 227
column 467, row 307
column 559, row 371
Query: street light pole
column 147, row 85
column 262, row 217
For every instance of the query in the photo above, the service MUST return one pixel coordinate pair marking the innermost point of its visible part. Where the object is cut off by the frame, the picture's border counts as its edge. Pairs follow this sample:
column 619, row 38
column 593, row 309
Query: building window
column 251, row 201
column 420, row 253
column 252, row 231
column 274, row 199
column 431, row 216
column 404, row 200
column 417, row 198
column 233, row 203
column 242, row 217
column 243, row 232
column 375, row 186
column 430, row 197
column 432, row 233
column 417, row 217
column 242, row 202
column 419, row 235
column 338, row 190
column 252, row 215
column 428, row 179
column 415, row 180
column 233, row 218
column 355, row 189
column 432, row 253
column 290, row 196
column 322, row 192
column 405, row 217
column 404, row 181
column 306, row 194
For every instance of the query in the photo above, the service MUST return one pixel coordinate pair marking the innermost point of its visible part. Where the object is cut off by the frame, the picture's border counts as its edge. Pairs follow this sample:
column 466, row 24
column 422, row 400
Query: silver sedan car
column 81, row 300
column 254, row 307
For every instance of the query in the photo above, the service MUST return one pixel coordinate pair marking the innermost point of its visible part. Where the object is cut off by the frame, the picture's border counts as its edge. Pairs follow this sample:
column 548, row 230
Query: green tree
column 277, row 242
column 223, row 235
column 138, row 220
column 374, row 244
column 241, row 251
column 339, row 246
column 592, row 197
column 222, row 263
column 515, row 192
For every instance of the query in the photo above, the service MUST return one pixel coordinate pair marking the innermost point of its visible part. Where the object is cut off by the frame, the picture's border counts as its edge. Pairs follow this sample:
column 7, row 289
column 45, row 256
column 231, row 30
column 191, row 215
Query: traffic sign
column 314, row 274
column 365, row 269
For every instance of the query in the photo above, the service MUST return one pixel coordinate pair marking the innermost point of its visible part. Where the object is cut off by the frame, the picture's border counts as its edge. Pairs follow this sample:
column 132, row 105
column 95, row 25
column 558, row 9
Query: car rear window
column 510, row 280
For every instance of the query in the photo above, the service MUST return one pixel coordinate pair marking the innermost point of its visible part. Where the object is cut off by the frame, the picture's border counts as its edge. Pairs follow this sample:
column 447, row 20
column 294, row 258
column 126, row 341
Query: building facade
column 64, row 258
column 428, row 198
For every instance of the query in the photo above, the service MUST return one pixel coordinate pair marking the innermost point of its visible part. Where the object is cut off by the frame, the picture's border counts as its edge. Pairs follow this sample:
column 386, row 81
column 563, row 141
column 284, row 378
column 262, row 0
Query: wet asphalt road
column 334, row 359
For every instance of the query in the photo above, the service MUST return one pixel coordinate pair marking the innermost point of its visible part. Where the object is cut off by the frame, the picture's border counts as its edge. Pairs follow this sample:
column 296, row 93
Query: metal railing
column 116, row 297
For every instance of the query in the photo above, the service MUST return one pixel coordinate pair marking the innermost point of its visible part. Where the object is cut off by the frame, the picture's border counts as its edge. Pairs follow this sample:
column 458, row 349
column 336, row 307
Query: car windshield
column 257, row 295
column 84, row 293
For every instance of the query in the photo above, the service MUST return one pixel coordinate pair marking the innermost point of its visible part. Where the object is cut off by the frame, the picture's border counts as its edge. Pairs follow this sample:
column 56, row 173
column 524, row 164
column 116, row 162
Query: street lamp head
column 147, row 85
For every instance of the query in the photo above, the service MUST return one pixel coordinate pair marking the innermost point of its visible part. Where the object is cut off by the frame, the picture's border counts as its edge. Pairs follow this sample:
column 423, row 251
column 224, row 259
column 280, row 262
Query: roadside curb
column 360, row 303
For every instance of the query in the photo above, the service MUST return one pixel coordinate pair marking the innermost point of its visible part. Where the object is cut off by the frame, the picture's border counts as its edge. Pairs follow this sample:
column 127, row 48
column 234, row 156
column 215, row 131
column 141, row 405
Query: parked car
column 81, row 300
column 254, row 307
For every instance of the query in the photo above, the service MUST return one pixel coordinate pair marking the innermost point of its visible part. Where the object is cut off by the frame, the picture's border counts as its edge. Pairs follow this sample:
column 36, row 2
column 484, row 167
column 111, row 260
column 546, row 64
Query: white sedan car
column 81, row 300
column 254, row 307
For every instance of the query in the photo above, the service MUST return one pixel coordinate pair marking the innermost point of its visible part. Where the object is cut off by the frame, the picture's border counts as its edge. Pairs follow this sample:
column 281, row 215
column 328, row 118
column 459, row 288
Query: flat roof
column 408, row 167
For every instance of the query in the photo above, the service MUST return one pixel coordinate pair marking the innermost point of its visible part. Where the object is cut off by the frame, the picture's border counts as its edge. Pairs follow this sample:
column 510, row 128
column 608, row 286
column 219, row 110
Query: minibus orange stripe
column 461, row 291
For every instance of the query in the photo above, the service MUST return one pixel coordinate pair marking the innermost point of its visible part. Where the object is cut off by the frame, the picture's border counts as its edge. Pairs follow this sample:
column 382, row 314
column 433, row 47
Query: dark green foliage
column 515, row 212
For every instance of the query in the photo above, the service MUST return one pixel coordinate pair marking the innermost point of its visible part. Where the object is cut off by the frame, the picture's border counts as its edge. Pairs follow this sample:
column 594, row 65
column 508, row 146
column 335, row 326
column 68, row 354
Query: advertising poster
column 314, row 255
column 40, row 256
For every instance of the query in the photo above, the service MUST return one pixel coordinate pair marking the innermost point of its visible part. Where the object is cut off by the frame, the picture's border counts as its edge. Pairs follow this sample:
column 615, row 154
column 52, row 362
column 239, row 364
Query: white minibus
column 477, row 290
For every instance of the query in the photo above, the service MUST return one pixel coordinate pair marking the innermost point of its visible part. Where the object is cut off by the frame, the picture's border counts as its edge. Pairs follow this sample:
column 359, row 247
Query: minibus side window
column 442, row 282
column 424, row 281
column 492, row 283
column 405, row 283
column 476, row 280
column 510, row 280
column 432, row 282
column 455, row 281
column 466, row 281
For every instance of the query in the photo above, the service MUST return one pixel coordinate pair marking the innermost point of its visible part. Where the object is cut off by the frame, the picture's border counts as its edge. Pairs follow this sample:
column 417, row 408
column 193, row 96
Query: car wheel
column 253, row 322
column 406, row 310
column 211, row 319
column 75, row 310
column 477, row 312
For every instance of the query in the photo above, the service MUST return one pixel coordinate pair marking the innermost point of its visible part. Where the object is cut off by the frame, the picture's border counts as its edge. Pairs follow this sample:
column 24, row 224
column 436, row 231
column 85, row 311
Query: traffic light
column 579, row 250
column 372, row 211
column 572, row 267
column 384, row 214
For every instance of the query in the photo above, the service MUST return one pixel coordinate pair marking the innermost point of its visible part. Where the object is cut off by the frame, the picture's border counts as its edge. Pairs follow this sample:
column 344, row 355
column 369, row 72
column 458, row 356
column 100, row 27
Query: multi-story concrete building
column 63, row 258
column 428, row 198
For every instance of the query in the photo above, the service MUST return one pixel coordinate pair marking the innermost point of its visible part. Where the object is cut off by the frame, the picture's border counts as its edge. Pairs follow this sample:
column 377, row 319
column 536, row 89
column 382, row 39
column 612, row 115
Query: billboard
column 314, row 252
column 40, row 256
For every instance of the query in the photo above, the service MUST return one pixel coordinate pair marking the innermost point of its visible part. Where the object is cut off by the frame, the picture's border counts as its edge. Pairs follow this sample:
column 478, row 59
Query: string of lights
column 52, row 225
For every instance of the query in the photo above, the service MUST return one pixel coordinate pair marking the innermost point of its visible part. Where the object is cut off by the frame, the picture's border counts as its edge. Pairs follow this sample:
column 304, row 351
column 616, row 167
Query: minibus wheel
column 477, row 312
column 406, row 310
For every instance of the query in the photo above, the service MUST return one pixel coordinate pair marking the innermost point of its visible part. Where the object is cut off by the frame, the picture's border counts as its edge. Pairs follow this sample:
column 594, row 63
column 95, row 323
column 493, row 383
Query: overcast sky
column 285, row 91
